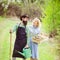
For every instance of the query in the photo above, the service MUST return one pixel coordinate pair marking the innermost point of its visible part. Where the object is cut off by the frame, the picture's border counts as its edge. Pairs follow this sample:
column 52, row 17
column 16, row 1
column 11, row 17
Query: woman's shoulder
column 39, row 30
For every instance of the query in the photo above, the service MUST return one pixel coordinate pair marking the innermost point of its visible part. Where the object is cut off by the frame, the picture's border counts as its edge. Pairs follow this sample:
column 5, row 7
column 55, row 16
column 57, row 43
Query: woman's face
column 35, row 23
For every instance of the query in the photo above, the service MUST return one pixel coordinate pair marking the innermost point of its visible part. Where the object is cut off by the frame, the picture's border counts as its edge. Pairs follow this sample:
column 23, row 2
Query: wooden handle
column 10, row 46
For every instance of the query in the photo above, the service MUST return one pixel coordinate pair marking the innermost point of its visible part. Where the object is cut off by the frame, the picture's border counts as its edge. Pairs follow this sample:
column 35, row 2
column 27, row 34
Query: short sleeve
column 15, row 27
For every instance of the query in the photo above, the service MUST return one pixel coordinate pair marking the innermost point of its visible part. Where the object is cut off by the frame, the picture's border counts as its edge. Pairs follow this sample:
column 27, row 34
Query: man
column 21, row 37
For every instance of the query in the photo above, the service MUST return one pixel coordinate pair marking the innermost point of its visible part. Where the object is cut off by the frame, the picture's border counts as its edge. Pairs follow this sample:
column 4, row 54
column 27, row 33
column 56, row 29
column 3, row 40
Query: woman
column 34, row 31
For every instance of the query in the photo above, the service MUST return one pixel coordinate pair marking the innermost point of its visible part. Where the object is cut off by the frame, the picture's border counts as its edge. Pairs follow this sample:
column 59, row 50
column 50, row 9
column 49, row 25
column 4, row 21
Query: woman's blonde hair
column 37, row 20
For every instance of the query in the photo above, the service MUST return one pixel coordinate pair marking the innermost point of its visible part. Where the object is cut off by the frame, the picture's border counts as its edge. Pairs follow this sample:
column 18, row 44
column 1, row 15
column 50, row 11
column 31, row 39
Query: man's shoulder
column 18, row 24
column 29, row 26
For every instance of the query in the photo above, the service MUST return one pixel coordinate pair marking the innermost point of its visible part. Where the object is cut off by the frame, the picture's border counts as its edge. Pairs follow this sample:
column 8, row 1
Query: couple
column 24, row 36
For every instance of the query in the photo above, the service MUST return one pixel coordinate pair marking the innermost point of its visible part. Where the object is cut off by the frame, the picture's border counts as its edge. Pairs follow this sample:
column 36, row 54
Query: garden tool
column 26, row 52
column 10, row 47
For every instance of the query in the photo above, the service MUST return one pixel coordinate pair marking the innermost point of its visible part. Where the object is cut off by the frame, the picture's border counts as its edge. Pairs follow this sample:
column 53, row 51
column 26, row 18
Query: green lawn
column 46, row 50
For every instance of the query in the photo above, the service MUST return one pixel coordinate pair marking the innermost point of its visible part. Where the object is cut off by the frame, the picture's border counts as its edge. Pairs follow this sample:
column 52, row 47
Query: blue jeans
column 34, row 49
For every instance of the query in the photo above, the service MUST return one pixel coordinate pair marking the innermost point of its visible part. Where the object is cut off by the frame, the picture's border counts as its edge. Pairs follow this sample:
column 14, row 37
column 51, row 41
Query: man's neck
column 23, row 24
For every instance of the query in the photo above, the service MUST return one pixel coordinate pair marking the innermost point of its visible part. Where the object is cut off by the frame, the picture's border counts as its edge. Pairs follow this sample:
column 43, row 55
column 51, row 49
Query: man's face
column 25, row 20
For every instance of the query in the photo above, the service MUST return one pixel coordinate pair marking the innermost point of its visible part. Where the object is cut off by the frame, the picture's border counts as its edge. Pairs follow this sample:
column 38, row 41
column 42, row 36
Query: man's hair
column 24, row 16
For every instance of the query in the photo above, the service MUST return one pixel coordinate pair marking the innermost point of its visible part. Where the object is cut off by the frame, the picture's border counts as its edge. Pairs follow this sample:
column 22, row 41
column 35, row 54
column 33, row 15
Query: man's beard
column 25, row 23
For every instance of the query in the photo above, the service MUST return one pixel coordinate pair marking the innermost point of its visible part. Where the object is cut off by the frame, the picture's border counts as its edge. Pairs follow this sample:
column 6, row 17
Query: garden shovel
column 10, row 55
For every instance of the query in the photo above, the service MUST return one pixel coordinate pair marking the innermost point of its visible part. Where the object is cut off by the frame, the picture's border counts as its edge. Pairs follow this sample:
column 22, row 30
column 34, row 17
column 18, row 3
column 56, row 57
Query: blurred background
column 48, row 11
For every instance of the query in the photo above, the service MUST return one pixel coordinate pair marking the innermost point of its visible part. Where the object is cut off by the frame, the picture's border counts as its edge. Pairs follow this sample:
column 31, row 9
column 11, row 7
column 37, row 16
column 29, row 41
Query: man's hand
column 10, row 31
column 26, row 46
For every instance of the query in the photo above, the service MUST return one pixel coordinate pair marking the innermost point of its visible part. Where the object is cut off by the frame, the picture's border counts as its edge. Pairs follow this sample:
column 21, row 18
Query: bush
column 13, row 10
column 1, row 9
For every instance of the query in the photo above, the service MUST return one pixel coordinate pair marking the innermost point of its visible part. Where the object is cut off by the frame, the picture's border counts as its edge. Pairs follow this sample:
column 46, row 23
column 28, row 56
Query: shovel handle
column 10, row 46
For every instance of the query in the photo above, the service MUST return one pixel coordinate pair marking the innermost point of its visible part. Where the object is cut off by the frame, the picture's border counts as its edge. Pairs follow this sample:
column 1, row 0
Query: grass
column 46, row 50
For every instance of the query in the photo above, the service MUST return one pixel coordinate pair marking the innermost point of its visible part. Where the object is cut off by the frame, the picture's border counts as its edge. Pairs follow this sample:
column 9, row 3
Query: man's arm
column 14, row 28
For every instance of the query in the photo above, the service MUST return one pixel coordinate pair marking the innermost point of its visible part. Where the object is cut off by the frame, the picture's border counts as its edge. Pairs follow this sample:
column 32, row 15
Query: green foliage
column 52, row 18
column 51, row 21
